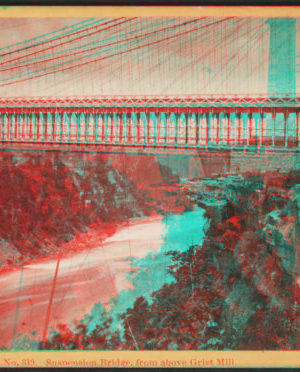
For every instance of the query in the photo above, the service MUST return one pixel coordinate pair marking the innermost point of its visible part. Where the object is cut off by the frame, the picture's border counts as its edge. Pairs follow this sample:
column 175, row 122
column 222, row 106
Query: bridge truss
column 264, row 102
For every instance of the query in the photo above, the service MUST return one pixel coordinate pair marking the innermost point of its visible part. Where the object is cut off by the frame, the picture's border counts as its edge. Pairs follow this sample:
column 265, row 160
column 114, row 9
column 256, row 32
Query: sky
column 134, row 56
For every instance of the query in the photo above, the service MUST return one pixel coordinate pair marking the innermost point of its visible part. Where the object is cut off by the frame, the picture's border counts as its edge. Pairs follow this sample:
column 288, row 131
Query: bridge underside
column 185, row 163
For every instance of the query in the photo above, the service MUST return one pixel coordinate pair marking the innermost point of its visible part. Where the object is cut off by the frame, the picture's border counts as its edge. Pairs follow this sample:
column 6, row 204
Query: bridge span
column 208, row 123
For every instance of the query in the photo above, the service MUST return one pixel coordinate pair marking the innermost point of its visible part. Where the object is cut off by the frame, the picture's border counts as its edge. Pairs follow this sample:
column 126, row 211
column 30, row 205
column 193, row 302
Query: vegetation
column 235, row 291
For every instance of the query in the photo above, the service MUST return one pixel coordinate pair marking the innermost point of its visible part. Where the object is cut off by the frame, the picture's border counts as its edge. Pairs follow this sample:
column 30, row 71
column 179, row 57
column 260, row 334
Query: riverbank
column 129, row 263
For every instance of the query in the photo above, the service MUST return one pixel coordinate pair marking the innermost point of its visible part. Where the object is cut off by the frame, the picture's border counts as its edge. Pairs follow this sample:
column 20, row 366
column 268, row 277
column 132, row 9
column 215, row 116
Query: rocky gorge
column 254, row 233
column 237, row 290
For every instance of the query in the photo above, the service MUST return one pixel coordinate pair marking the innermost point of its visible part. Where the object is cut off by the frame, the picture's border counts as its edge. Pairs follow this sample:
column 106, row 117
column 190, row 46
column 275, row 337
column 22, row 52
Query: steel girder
column 209, row 101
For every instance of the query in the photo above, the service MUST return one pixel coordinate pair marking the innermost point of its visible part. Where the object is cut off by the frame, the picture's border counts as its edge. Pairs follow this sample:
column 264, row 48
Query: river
column 114, row 272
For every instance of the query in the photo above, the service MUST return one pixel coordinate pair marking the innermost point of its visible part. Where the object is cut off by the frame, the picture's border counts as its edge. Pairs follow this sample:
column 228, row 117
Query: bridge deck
column 143, row 150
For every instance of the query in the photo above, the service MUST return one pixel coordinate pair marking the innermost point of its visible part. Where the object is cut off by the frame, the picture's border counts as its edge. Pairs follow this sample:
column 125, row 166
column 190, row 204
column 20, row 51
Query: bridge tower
column 282, row 55
column 282, row 80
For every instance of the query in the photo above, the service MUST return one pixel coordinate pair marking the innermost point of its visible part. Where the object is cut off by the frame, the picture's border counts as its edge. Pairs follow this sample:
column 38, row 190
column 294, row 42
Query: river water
column 113, row 272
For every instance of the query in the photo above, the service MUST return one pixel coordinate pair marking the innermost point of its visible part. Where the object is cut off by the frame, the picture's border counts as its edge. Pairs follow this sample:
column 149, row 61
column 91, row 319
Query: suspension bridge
column 133, row 56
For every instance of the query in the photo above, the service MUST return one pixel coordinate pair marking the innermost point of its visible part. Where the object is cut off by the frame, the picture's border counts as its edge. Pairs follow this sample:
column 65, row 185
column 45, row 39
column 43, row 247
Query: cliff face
column 253, row 218
column 45, row 203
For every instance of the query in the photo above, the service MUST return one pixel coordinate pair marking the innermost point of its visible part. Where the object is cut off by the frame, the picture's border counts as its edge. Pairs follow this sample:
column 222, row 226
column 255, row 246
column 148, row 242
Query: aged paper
column 149, row 187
